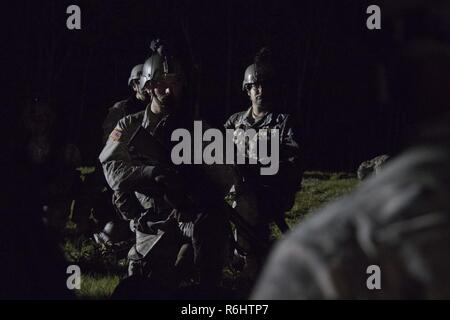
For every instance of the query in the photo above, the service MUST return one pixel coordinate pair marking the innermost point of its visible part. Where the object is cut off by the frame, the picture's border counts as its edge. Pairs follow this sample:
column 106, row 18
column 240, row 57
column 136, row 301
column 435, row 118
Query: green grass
column 103, row 269
column 316, row 193
column 317, row 190
column 97, row 286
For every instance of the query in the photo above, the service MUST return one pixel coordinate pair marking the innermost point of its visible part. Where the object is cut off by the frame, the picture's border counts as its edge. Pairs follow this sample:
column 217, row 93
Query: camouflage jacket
column 287, row 181
column 125, row 173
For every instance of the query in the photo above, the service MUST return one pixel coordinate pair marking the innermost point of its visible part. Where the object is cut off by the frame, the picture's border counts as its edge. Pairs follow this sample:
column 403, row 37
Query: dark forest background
column 355, row 93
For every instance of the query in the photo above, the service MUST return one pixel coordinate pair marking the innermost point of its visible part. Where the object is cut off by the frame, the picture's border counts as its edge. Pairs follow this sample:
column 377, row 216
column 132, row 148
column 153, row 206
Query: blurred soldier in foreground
column 397, row 220
column 167, row 239
column 265, row 199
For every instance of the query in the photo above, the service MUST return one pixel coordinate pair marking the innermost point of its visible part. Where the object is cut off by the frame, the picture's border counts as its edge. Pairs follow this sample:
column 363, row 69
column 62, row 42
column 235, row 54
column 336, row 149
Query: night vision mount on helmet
column 260, row 71
column 158, row 68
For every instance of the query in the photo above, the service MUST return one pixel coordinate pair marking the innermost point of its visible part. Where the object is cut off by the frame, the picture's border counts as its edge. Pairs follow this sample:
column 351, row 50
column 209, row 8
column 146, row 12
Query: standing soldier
column 265, row 199
column 389, row 239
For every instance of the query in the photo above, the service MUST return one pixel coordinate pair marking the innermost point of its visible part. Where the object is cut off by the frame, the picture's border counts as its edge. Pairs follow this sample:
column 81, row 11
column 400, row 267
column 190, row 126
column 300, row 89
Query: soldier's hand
column 165, row 225
column 174, row 215
column 184, row 215
column 166, row 177
column 170, row 223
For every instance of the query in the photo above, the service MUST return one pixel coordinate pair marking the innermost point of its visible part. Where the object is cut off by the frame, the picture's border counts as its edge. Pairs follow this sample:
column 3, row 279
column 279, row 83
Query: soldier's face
column 261, row 94
column 255, row 92
column 140, row 94
column 166, row 91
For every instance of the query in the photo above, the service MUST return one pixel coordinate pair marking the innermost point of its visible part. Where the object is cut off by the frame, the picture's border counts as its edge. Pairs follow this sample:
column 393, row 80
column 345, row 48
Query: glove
column 143, row 225
column 156, row 179
column 166, row 177
column 172, row 189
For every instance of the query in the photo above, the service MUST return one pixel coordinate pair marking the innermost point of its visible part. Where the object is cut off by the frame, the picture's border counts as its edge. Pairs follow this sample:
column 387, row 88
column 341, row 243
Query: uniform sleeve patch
column 115, row 134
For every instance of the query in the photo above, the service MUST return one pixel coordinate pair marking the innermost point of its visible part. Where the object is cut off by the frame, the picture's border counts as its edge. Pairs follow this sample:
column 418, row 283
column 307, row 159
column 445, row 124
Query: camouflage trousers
column 171, row 256
column 259, row 209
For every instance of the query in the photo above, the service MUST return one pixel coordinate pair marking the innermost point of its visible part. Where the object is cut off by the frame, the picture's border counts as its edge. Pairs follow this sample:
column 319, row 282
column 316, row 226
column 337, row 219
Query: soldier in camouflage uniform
column 264, row 199
column 139, row 193
column 135, row 103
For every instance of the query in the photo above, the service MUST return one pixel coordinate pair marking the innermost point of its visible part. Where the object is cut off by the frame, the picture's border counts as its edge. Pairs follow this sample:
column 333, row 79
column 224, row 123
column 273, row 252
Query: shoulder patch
column 115, row 134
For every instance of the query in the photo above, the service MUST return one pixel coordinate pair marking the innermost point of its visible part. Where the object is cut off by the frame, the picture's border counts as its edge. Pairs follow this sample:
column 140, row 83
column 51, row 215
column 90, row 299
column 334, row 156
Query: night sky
column 353, row 91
